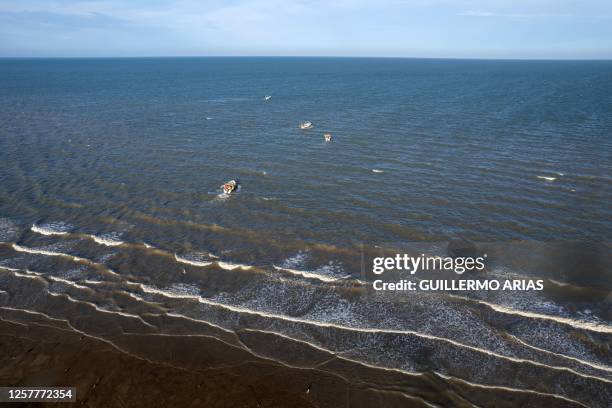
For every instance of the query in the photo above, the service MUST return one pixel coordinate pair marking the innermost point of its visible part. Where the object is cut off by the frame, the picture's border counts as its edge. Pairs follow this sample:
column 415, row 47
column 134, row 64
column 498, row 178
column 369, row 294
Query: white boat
column 306, row 125
column 327, row 136
column 230, row 186
column 267, row 97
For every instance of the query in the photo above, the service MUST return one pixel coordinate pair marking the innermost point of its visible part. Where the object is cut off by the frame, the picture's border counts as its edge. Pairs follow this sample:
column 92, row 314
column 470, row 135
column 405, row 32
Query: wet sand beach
column 104, row 376
column 44, row 352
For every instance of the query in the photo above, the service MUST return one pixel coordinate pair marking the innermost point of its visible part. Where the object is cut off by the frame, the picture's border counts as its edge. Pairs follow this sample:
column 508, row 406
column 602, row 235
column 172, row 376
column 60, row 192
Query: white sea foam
column 333, row 269
column 134, row 296
column 296, row 260
column 100, row 309
column 547, row 178
column 39, row 251
column 194, row 262
column 377, row 171
column 306, row 274
column 509, row 389
column 578, row 360
column 230, row 266
column 558, row 283
column 324, row 273
column 67, row 282
column 170, row 293
column 25, row 275
column 51, row 229
column 107, row 240
column 183, row 289
column 579, row 324
column 93, row 282
column 22, row 272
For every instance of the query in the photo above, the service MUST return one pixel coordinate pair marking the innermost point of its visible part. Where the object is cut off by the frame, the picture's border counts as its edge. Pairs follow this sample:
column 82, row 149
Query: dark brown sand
column 106, row 377
column 191, row 368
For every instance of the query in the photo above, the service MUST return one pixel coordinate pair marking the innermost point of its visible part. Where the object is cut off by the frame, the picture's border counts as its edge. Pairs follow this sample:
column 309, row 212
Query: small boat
column 327, row 137
column 306, row 125
column 230, row 186
column 267, row 97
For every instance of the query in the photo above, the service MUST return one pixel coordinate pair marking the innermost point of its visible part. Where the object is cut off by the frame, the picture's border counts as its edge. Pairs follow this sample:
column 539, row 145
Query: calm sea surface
column 110, row 175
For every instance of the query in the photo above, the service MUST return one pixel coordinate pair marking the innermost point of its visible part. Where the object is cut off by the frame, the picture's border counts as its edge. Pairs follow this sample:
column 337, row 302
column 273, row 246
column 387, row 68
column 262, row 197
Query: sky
column 531, row 29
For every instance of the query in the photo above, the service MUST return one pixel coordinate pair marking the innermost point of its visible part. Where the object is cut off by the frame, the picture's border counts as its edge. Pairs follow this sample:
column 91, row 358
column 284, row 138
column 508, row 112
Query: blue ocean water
column 112, row 217
column 466, row 148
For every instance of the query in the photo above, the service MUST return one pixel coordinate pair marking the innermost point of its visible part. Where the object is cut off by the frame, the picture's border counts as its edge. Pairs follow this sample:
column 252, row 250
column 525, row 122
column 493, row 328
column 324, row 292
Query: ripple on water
column 9, row 230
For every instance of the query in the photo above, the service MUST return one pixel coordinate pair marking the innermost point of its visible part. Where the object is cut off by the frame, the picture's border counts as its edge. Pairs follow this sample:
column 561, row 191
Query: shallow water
column 110, row 211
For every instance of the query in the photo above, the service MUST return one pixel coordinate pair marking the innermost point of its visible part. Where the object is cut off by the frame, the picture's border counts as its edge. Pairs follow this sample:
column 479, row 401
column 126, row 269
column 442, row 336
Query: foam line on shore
column 191, row 262
column 268, row 315
column 102, row 240
column 113, row 345
column 316, row 368
column 565, row 356
column 30, row 274
column 509, row 389
column 66, row 281
column 46, row 230
column 37, row 251
column 99, row 309
column 404, row 372
column 26, row 275
column 98, row 239
column 577, row 324
column 309, row 275
column 148, row 289
column 241, row 346
column 231, row 266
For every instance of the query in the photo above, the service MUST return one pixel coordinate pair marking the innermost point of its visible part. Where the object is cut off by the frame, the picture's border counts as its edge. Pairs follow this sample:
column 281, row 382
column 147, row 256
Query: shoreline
column 185, row 367
column 103, row 376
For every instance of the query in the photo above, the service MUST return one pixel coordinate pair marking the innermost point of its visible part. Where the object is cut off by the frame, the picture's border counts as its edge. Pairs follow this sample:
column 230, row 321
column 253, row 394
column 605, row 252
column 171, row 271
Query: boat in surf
column 306, row 125
column 230, row 187
column 267, row 97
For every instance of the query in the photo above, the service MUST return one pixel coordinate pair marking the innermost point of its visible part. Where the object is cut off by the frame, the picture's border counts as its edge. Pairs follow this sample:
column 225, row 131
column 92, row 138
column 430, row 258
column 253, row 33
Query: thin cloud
column 305, row 27
column 476, row 13
column 480, row 13
column 61, row 21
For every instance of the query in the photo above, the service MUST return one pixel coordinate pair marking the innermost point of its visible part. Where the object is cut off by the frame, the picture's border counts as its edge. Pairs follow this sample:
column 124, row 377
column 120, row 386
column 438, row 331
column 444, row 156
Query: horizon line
column 310, row 56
